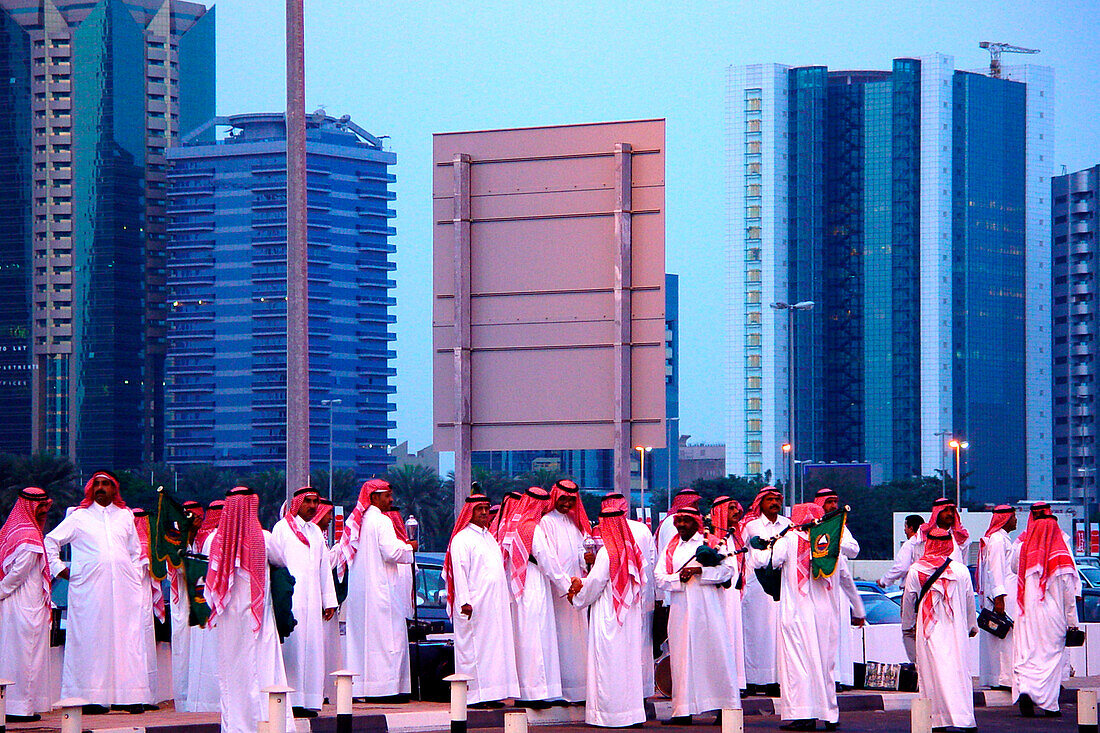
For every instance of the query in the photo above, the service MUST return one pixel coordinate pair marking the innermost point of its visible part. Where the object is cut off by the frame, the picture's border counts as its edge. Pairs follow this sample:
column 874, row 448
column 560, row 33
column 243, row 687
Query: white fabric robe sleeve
column 276, row 555
column 328, row 585
column 848, row 545
column 57, row 538
column 843, row 577
column 670, row 582
column 461, row 562
column 995, row 565
column 25, row 563
column 393, row 550
column 902, row 562
column 595, row 582
column 548, row 563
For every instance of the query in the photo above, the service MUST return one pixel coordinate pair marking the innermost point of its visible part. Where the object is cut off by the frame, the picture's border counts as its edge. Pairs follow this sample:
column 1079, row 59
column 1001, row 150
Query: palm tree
column 418, row 490
column 54, row 474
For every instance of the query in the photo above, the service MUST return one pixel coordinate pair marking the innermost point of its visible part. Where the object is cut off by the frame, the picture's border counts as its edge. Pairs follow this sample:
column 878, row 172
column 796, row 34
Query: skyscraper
column 226, row 375
column 908, row 205
column 94, row 94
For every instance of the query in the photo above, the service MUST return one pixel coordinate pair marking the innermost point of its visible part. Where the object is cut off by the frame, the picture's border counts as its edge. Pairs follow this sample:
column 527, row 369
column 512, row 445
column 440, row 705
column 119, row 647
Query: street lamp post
column 943, row 463
column 331, row 405
column 641, row 479
column 672, row 445
column 803, row 305
column 958, row 446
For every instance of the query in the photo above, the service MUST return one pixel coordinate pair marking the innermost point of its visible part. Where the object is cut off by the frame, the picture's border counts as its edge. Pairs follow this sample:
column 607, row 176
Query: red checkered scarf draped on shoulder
column 89, row 497
column 239, row 543
column 802, row 514
column 518, row 534
column 464, row 518
column 624, row 558
column 959, row 532
column 1001, row 514
column 1043, row 552
column 22, row 530
column 398, row 525
column 823, row 496
column 565, row 487
column 210, row 522
column 938, row 546
column 324, row 508
column 345, row 550
column 720, row 512
column 694, row 515
column 141, row 524
column 291, row 514
column 507, row 504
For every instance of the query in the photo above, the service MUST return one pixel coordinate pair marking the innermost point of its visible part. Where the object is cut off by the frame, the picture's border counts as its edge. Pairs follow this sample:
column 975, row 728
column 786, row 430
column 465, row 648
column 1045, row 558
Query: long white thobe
column 148, row 630
column 703, row 673
column 845, row 664
column 105, row 661
column 304, row 649
column 808, row 633
column 25, row 633
column 536, row 638
column 483, row 641
column 644, row 538
column 377, row 640
column 731, row 602
column 997, row 579
column 616, row 684
column 759, row 613
column 912, row 550
column 178, row 610
column 203, row 695
column 1040, row 637
column 334, row 645
column 943, row 666
column 248, row 660
column 558, row 547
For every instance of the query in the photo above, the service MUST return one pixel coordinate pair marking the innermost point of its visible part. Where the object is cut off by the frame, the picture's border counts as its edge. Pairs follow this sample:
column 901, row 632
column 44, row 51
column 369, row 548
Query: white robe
column 912, row 550
column 731, row 602
column 179, row 607
column 25, row 634
column 377, row 640
column 1040, row 635
column 304, row 649
column 943, row 667
column 148, row 631
column 995, row 656
column 104, row 659
column 644, row 538
column 536, row 639
column 808, row 633
column 703, row 672
column 666, row 530
column 249, row 660
column 203, row 695
column 334, row 642
column 483, row 642
column 759, row 613
column 845, row 671
column 616, row 685
column 559, row 549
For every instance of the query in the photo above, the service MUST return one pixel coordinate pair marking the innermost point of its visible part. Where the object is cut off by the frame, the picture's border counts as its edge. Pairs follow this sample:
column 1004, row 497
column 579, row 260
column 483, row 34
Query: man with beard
column 104, row 663
column 945, row 516
column 843, row 666
column 996, row 580
column 725, row 519
column 759, row 610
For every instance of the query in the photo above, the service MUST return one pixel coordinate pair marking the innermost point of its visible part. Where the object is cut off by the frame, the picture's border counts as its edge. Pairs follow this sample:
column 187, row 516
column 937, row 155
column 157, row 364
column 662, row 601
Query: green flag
column 168, row 540
column 194, row 570
column 825, row 543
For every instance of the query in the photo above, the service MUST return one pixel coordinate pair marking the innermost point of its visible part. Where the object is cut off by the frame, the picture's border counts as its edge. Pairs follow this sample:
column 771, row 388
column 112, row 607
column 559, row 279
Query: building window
column 752, row 382
column 752, row 296
column 752, row 254
column 752, row 212
column 753, row 169
column 753, row 232
column 752, row 361
column 752, row 147
column 752, row 190
column 754, row 424
column 752, row 339
column 755, row 468
column 753, row 446
column 753, row 319
column 753, row 403
column 752, row 276
column 753, row 125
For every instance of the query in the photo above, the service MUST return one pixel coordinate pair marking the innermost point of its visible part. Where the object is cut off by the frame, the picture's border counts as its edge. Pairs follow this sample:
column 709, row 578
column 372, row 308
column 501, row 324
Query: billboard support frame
column 463, row 425
column 623, row 448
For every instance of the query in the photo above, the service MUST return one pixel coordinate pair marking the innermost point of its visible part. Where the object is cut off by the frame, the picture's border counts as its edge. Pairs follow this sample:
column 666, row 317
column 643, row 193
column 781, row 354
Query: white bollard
column 459, row 685
column 920, row 716
column 515, row 722
column 1086, row 711
column 276, row 708
column 343, row 700
column 71, row 714
column 3, row 704
column 733, row 720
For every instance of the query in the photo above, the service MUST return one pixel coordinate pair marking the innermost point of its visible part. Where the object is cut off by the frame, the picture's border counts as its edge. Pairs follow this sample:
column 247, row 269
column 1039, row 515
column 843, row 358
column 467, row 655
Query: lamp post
column 943, row 464
column 958, row 446
column 331, row 405
column 803, row 305
column 789, row 466
column 672, row 446
column 641, row 479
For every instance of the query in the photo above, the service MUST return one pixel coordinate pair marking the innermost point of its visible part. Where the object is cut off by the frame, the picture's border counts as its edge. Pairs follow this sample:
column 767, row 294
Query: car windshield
column 431, row 589
column 1092, row 575
column 880, row 609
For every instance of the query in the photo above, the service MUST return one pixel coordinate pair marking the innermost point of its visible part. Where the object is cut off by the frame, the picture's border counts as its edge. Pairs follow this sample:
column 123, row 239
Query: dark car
column 1088, row 606
column 879, row 609
column 434, row 659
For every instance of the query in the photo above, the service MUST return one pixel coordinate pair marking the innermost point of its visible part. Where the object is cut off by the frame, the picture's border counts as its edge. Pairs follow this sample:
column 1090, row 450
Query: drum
column 662, row 675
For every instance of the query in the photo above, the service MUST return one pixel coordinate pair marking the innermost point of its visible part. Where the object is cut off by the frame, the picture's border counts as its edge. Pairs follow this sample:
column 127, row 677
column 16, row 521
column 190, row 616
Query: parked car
column 1088, row 606
column 867, row 586
column 1090, row 560
column 1090, row 575
column 431, row 660
column 879, row 609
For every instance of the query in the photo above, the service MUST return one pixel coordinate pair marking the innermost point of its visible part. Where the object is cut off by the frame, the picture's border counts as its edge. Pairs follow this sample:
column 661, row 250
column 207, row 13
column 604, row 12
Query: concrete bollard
column 71, row 714
column 515, row 722
column 459, row 684
column 1086, row 711
column 920, row 715
column 343, row 700
column 4, row 704
column 733, row 720
column 276, row 708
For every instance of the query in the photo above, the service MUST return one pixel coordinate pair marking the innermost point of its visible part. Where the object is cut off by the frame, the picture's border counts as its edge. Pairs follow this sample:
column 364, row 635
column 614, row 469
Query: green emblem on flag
column 168, row 540
column 194, row 571
column 825, row 543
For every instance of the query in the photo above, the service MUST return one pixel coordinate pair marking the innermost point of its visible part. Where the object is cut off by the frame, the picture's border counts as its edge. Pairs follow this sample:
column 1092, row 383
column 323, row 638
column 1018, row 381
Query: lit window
column 754, row 425
column 752, row 361
column 752, row 212
column 753, row 319
column 755, row 468
column 753, row 403
column 752, row 276
column 753, row 189
column 752, row 254
column 752, row 382
column 752, row 296
column 753, row 125
column 752, row 147
column 753, row 446
column 752, row 168
column 752, row 339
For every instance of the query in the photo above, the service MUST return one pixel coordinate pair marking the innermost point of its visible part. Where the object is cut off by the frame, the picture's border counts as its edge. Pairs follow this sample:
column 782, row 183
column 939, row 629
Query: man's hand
column 467, row 610
column 880, row 584
column 414, row 544
column 575, row 586
column 973, row 632
column 687, row 573
column 589, row 558
column 64, row 574
column 328, row 613
column 858, row 621
column 999, row 604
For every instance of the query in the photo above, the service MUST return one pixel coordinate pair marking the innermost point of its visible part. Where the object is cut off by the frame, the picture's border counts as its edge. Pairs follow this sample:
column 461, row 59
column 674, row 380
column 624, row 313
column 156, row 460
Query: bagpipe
column 824, row 532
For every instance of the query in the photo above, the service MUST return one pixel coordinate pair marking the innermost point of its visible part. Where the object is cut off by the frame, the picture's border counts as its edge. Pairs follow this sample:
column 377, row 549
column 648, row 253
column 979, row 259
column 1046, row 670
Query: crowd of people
column 547, row 608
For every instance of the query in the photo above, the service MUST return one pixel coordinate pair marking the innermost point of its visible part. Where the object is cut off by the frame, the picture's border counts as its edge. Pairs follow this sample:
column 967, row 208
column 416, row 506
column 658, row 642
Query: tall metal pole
column 297, row 267
column 641, row 482
column 958, row 480
column 790, row 398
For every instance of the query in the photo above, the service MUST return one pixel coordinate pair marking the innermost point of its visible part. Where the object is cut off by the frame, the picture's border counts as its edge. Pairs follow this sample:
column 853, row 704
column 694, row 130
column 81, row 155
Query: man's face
column 770, row 506
column 308, row 507
column 565, row 503
column 325, row 522
column 830, row 504
column 733, row 518
column 946, row 518
column 41, row 509
column 103, row 491
column 909, row 531
column 1010, row 525
column 382, row 499
column 480, row 515
column 685, row 527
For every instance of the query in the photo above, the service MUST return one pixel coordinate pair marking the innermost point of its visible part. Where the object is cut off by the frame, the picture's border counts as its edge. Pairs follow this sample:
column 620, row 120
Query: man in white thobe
column 1046, row 590
column 996, row 579
column 25, row 608
column 759, row 611
column 238, row 589
column 615, row 591
column 939, row 614
column 314, row 601
column 104, row 661
column 152, row 603
column 377, row 641
column 559, row 551
column 334, row 645
column 725, row 517
column 203, row 695
column 903, row 558
column 808, row 624
column 945, row 516
column 666, row 530
column 843, row 666
column 703, row 672
column 179, row 607
column 478, row 602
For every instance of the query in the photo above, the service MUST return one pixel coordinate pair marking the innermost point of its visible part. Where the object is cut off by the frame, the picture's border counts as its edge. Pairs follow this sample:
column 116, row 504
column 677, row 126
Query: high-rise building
column 226, row 375
column 93, row 94
column 1075, row 214
column 910, row 206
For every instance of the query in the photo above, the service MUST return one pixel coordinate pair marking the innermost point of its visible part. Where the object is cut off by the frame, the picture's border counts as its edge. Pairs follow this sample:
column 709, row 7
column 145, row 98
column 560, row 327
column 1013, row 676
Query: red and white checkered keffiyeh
column 938, row 546
column 625, row 560
column 291, row 514
column 1002, row 513
column 958, row 531
column 324, row 508
column 803, row 514
column 464, row 518
column 692, row 513
column 565, row 487
column 720, row 512
column 89, row 497
column 398, row 525
column 239, row 543
column 507, row 504
column 22, row 530
column 519, row 533
column 754, row 508
column 1043, row 552
column 141, row 524
column 209, row 523
column 823, row 495
column 345, row 550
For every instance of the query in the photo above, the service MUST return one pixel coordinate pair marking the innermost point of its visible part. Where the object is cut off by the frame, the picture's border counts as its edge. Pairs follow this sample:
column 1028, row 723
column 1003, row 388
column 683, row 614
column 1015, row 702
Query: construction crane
column 995, row 51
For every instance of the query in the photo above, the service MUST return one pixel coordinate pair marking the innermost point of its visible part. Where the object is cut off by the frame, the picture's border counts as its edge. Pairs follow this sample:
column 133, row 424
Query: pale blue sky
column 410, row 69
